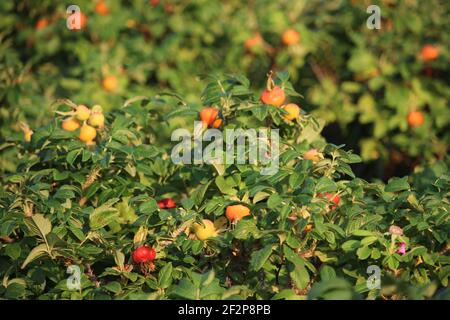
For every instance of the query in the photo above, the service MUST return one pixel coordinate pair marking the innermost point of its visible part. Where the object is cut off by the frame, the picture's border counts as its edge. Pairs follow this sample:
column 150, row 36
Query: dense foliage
column 311, row 230
column 362, row 83
column 88, row 189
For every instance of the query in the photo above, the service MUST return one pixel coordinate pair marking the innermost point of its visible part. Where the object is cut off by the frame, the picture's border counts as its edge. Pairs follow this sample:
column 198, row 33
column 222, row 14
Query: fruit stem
column 68, row 113
column 270, row 83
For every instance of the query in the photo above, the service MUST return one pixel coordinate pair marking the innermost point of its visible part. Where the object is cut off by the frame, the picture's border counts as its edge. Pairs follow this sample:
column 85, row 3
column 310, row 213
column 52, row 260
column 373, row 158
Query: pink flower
column 401, row 248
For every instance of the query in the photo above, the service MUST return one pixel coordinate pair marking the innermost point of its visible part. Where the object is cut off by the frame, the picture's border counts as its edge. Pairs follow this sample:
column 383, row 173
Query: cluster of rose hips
column 289, row 37
column 207, row 228
column 275, row 96
column 86, row 120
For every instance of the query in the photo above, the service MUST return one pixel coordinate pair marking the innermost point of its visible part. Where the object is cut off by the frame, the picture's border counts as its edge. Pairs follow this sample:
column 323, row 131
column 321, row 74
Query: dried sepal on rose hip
column 79, row 112
column 27, row 132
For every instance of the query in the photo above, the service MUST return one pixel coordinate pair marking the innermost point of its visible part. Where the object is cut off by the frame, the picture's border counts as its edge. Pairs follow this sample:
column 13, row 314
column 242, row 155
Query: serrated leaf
column 397, row 184
column 258, row 258
column 104, row 215
column 325, row 184
column 300, row 277
column 224, row 187
column 165, row 276
column 181, row 112
column 39, row 225
column 296, row 179
column 292, row 256
column 246, row 228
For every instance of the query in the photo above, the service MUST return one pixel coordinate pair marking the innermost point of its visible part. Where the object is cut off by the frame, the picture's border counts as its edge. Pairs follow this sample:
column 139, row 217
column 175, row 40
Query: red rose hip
column 167, row 203
column 143, row 254
column 334, row 198
column 274, row 97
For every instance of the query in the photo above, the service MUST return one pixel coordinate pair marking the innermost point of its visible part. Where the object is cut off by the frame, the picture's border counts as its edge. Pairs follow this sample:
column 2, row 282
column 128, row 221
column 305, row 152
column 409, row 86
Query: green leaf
column 14, row 291
column 292, row 256
column 274, row 201
column 350, row 245
column 287, row 294
column 261, row 112
column 58, row 175
column 363, row 252
column 325, row 184
column 113, row 286
column 181, row 112
column 72, row 155
column 333, row 289
column 149, row 206
column 104, row 215
column 300, row 277
column 392, row 262
column 296, row 180
column 224, row 186
column 199, row 193
column 260, row 196
column 220, row 167
column 39, row 225
column 363, row 233
column 186, row 290
column 369, row 240
column 246, row 228
column 119, row 258
column 13, row 250
column 327, row 273
column 376, row 253
column 258, row 258
column 397, row 184
column 165, row 276
column 64, row 194
column 208, row 278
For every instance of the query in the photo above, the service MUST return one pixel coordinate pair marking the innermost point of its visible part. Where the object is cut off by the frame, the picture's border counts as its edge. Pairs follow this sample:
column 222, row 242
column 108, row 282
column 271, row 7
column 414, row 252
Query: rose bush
column 311, row 230
column 363, row 84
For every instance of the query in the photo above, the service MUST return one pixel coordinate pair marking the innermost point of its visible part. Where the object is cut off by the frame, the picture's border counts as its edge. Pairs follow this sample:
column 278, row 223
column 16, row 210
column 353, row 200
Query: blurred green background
column 362, row 82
